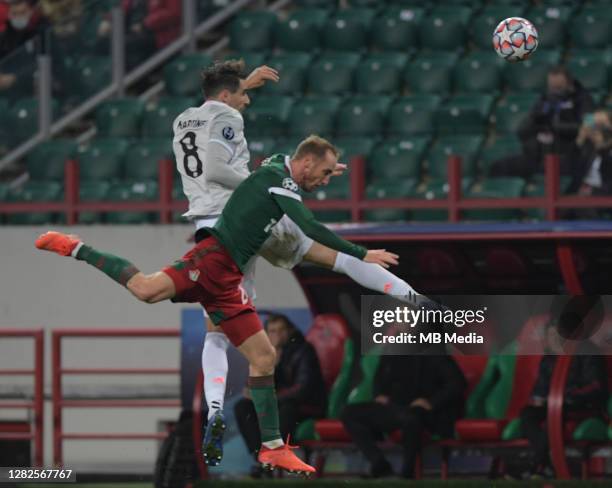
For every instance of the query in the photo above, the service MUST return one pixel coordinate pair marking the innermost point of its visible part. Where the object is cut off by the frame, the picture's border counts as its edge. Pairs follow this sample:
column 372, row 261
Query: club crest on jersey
column 228, row 133
column 194, row 274
column 289, row 184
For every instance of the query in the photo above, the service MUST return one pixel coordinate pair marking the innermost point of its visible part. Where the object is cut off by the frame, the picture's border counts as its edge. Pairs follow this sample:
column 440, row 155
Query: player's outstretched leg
column 212, row 445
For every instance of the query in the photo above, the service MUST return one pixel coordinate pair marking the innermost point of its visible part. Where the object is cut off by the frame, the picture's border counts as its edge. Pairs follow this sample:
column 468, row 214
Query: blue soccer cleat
column 212, row 445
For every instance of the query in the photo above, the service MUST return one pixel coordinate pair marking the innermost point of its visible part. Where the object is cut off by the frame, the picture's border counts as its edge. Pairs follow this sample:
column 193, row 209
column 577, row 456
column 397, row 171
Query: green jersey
column 258, row 204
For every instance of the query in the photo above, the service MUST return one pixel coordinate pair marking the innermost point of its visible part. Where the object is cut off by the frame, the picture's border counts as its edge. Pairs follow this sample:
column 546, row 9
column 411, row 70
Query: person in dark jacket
column 300, row 387
column 23, row 22
column 414, row 394
column 551, row 127
column 585, row 391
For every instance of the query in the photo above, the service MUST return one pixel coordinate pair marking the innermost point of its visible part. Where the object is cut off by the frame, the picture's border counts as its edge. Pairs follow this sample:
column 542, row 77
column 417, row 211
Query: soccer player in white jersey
column 212, row 157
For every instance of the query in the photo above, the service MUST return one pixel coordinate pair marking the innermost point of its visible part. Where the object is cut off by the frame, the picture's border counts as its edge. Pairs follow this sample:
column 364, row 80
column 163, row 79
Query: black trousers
column 368, row 422
column 531, row 419
column 246, row 417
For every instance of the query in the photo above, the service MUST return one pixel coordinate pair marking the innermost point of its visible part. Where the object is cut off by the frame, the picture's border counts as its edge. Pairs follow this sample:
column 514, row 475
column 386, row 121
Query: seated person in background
column 300, row 387
column 414, row 394
column 585, row 391
column 550, row 127
column 23, row 22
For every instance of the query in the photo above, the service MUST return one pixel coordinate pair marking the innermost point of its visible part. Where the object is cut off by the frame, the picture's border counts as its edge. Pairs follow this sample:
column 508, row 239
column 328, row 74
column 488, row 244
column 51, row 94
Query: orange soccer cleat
column 283, row 458
column 62, row 244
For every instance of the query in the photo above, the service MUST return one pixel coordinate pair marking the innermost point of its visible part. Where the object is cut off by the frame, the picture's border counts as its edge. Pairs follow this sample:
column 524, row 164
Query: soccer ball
column 515, row 39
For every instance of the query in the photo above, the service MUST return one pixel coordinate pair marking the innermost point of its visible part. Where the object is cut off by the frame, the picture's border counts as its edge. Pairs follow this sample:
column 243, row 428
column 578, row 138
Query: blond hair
column 316, row 146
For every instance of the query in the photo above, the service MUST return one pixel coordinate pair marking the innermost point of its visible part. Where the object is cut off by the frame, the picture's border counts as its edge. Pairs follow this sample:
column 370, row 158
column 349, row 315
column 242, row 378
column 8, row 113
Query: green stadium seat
column 362, row 116
column 351, row 147
column 396, row 28
column 530, row 75
column 433, row 190
column 293, row 59
column 251, row 59
column 399, row 161
column 332, row 75
column 252, row 30
column 347, row 30
column 301, row 30
column 313, row 115
column 445, row 28
column 501, row 147
column 34, row 191
column 428, row 75
column 260, row 148
column 591, row 28
column 132, row 191
column 483, row 25
column 478, row 73
column 119, row 118
column 182, row 76
column 102, row 159
column 591, row 55
column 22, row 118
column 464, row 114
column 511, row 111
column 592, row 74
column 535, row 187
column 338, row 188
column 158, row 116
column 466, row 147
column 88, row 76
column 4, row 191
column 495, row 188
column 550, row 22
column 47, row 160
column 141, row 161
column 383, row 189
column 292, row 73
column 412, row 115
column 267, row 115
column 378, row 75
column 92, row 191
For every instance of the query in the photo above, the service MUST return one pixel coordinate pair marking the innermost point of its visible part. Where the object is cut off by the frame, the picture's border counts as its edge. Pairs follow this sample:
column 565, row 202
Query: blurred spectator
column 415, row 394
column 585, row 393
column 551, row 127
column 63, row 15
column 23, row 23
column 300, row 387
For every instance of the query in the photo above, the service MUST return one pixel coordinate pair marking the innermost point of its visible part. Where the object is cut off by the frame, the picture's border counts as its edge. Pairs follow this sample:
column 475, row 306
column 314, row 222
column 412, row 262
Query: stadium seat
column 591, row 28
column 132, row 191
column 550, row 22
column 302, row 30
column 293, row 59
column 267, row 114
column 466, row 147
column 158, row 116
column 483, row 25
column 502, row 146
column 292, row 73
column 362, row 116
column 511, row 111
column 433, row 190
column 92, row 191
column 34, row 191
column 351, row 147
column 347, row 30
column 313, row 115
column 396, row 28
column 332, row 74
column 102, row 160
column 251, row 59
column 530, row 75
column 380, row 74
column 252, row 30
column 119, row 118
column 444, row 28
column 593, row 74
column 397, row 160
column 478, row 73
column 412, row 115
column 141, row 160
column 338, row 188
column 47, row 160
column 182, row 76
column 464, row 114
column 495, row 188
column 388, row 188
column 22, row 118
column 430, row 73
column 535, row 187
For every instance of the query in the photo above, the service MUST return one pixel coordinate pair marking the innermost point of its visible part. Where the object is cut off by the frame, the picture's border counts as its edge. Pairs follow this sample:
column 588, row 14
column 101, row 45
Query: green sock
column 263, row 394
column 119, row 269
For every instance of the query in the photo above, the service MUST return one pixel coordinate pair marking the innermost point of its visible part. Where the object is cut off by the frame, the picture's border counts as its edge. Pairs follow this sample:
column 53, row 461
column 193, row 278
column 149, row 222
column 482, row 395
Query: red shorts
column 208, row 275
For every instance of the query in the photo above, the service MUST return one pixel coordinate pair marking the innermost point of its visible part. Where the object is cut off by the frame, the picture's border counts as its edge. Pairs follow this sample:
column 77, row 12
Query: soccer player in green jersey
column 211, row 272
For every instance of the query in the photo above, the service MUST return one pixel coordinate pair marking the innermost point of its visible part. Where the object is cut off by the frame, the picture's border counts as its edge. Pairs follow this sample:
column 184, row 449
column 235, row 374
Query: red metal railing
column 37, row 403
column 551, row 202
column 59, row 403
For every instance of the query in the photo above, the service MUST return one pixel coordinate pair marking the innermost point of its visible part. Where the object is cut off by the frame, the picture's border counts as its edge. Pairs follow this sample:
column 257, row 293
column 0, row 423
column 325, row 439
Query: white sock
column 374, row 277
column 214, row 365
column 273, row 444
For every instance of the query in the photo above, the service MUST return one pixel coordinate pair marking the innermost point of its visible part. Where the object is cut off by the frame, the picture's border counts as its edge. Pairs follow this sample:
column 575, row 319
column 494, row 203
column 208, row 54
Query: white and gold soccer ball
column 515, row 39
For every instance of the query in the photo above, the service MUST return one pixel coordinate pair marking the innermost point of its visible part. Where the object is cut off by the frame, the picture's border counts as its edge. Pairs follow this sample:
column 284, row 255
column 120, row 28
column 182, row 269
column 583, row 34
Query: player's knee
column 265, row 361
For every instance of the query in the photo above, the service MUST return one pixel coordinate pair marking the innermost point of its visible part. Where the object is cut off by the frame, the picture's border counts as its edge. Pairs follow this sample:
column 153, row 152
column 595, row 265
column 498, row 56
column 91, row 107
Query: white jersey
column 197, row 127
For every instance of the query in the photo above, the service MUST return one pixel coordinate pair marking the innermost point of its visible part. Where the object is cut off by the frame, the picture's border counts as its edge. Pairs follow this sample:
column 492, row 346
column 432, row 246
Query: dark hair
column 278, row 317
column 222, row 75
column 315, row 145
column 561, row 70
